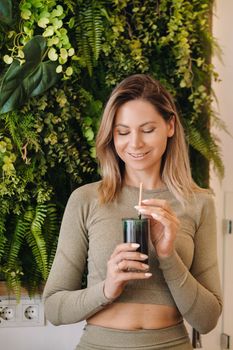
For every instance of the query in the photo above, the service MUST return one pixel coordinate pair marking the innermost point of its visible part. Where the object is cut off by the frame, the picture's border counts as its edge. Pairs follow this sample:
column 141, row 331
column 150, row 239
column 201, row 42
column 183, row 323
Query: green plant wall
column 59, row 60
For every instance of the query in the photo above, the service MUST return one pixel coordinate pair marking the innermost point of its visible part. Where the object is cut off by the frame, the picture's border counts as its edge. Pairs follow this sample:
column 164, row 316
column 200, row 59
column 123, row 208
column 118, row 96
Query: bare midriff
column 132, row 316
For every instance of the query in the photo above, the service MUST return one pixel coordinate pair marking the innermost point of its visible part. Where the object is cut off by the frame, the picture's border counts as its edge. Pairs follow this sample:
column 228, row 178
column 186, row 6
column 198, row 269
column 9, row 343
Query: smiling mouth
column 138, row 155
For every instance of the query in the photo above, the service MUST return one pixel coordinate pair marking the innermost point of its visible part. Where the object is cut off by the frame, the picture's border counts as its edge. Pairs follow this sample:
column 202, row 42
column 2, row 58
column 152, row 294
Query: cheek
column 119, row 143
column 160, row 143
column 117, row 148
column 164, row 144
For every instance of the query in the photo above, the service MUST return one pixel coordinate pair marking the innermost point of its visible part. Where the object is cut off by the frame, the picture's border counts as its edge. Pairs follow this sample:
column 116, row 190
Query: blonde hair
column 175, row 166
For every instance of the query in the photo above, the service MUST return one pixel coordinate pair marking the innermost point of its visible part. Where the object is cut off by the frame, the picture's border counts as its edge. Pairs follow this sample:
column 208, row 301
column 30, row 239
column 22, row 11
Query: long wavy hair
column 175, row 166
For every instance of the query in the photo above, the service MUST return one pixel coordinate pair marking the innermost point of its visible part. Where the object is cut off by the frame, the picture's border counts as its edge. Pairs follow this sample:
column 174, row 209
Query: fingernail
column 145, row 200
column 135, row 245
column 143, row 256
column 145, row 266
column 148, row 274
column 142, row 210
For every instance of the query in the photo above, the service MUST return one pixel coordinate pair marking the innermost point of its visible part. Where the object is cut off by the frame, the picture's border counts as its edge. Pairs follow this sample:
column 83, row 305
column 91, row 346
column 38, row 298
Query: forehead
column 137, row 111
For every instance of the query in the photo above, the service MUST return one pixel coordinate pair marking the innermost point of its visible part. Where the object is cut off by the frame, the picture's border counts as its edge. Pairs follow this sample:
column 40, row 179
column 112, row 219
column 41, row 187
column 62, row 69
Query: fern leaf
column 36, row 240
column 32, row 280
column 14, row 284
column 51, row 230
column 11, row 125
column 89, row 33
column 70, row 5
column 51, row 224
column 94, row 29
column 16, row 241
column 82, row 42
column 52, row 253
column 21, row 129
column 206, row 144
column 217, row 122
column 3, row 239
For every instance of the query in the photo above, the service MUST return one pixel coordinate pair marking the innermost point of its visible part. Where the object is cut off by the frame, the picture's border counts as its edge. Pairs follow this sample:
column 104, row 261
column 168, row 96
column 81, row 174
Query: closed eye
column 122, row 133
column 147, row 131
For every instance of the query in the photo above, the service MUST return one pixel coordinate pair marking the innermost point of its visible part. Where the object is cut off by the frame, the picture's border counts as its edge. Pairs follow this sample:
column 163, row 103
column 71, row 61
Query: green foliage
column 3, row 238
column 40, row 48
column 32, row 228
column 59, row 60
column 89, row 31
column 206, row 145
column 6, row 11
column 31, row 78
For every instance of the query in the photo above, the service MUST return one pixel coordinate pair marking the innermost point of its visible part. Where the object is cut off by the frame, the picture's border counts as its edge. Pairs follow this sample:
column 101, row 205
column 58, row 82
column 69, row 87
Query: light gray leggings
column 101, row 338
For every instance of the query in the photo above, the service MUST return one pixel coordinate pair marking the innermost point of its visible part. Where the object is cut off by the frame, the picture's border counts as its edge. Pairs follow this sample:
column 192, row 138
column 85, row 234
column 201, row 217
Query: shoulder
column 203, row 204
column 84, row 196
column 204, row 197
column 86, row 192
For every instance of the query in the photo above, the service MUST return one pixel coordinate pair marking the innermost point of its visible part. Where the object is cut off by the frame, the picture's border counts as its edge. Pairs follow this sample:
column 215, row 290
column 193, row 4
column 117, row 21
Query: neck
column 149, row 182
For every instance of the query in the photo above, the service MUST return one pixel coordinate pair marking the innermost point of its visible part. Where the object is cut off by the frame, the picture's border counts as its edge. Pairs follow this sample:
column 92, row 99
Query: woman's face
column 140, row 136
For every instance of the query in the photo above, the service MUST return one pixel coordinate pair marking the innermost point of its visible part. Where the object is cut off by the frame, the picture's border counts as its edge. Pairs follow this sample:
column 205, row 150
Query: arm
column 65, row 301
column 197, row 292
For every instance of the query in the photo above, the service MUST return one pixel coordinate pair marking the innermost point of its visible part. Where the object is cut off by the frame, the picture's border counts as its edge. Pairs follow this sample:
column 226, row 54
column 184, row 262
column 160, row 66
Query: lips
column 138, row 155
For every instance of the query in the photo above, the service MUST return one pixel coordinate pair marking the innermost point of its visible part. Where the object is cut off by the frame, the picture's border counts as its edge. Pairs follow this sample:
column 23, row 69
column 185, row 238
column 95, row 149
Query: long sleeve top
column 188, row 279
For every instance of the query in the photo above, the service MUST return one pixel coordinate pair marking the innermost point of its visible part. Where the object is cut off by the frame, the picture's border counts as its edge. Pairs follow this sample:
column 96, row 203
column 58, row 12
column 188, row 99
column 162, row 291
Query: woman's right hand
column 125, row 264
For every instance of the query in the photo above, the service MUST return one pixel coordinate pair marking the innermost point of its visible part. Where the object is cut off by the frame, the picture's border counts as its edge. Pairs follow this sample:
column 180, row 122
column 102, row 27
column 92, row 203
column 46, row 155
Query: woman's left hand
column 164, row 225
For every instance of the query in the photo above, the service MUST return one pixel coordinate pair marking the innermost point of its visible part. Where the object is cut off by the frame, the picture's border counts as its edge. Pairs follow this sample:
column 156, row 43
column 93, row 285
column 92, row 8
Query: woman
column 129, row 303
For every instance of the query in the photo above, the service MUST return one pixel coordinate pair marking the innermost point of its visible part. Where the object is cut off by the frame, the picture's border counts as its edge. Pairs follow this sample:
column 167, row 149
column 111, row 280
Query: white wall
column 222, row 31
column 222, row 27
column 66, row 337
column 41, row 338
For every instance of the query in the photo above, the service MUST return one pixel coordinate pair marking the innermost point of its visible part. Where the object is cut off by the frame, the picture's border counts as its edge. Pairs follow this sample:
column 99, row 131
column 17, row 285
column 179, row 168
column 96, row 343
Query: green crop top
column 188, row 280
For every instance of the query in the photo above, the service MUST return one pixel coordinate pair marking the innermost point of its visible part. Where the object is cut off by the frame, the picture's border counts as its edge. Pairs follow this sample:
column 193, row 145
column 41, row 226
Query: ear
column 171, row 127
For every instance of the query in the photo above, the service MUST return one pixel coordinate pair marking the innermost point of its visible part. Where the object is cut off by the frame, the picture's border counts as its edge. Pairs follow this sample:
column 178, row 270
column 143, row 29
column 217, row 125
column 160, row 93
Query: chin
column 138, row 167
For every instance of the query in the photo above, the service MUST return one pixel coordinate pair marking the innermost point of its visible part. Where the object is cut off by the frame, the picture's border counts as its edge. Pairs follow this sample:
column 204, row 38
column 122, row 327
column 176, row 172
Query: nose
column 136, row 140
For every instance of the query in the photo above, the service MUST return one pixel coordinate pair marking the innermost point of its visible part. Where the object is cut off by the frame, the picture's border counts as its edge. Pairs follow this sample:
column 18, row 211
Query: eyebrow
column 126, row 126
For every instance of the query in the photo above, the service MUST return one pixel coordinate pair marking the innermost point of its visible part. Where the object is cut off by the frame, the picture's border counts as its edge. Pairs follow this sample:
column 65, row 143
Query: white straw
column 140, row 199
column 140, row 194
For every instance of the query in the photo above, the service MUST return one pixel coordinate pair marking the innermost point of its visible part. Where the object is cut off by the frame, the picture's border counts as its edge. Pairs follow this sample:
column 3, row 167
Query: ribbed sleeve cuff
column 173, row 267
column 75, row 306
column 99, row 294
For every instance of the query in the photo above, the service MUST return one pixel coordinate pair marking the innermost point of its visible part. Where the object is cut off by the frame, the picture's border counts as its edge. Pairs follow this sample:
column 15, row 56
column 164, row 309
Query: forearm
column 65, row 306
column 65, row 301
column 193, row 300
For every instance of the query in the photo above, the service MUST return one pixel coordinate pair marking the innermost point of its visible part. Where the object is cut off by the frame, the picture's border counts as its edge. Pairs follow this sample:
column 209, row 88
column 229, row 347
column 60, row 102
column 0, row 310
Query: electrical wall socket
column 28, row 312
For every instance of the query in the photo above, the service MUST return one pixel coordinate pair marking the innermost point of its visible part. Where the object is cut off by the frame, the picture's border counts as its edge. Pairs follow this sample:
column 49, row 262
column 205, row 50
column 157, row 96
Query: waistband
column 96, row 337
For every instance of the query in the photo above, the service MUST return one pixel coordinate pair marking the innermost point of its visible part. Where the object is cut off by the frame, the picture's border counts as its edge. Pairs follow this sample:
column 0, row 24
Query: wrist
column 166, row 254
column 107, row 295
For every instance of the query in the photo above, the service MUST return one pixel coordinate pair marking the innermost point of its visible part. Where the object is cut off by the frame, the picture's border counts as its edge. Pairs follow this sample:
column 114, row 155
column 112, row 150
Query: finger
column 124, row 247
column 158, row 214
column 129, row 256
column 162, row 203
column 126, row 265
column 165, row 218
column 171, row 223
column 127, row 276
